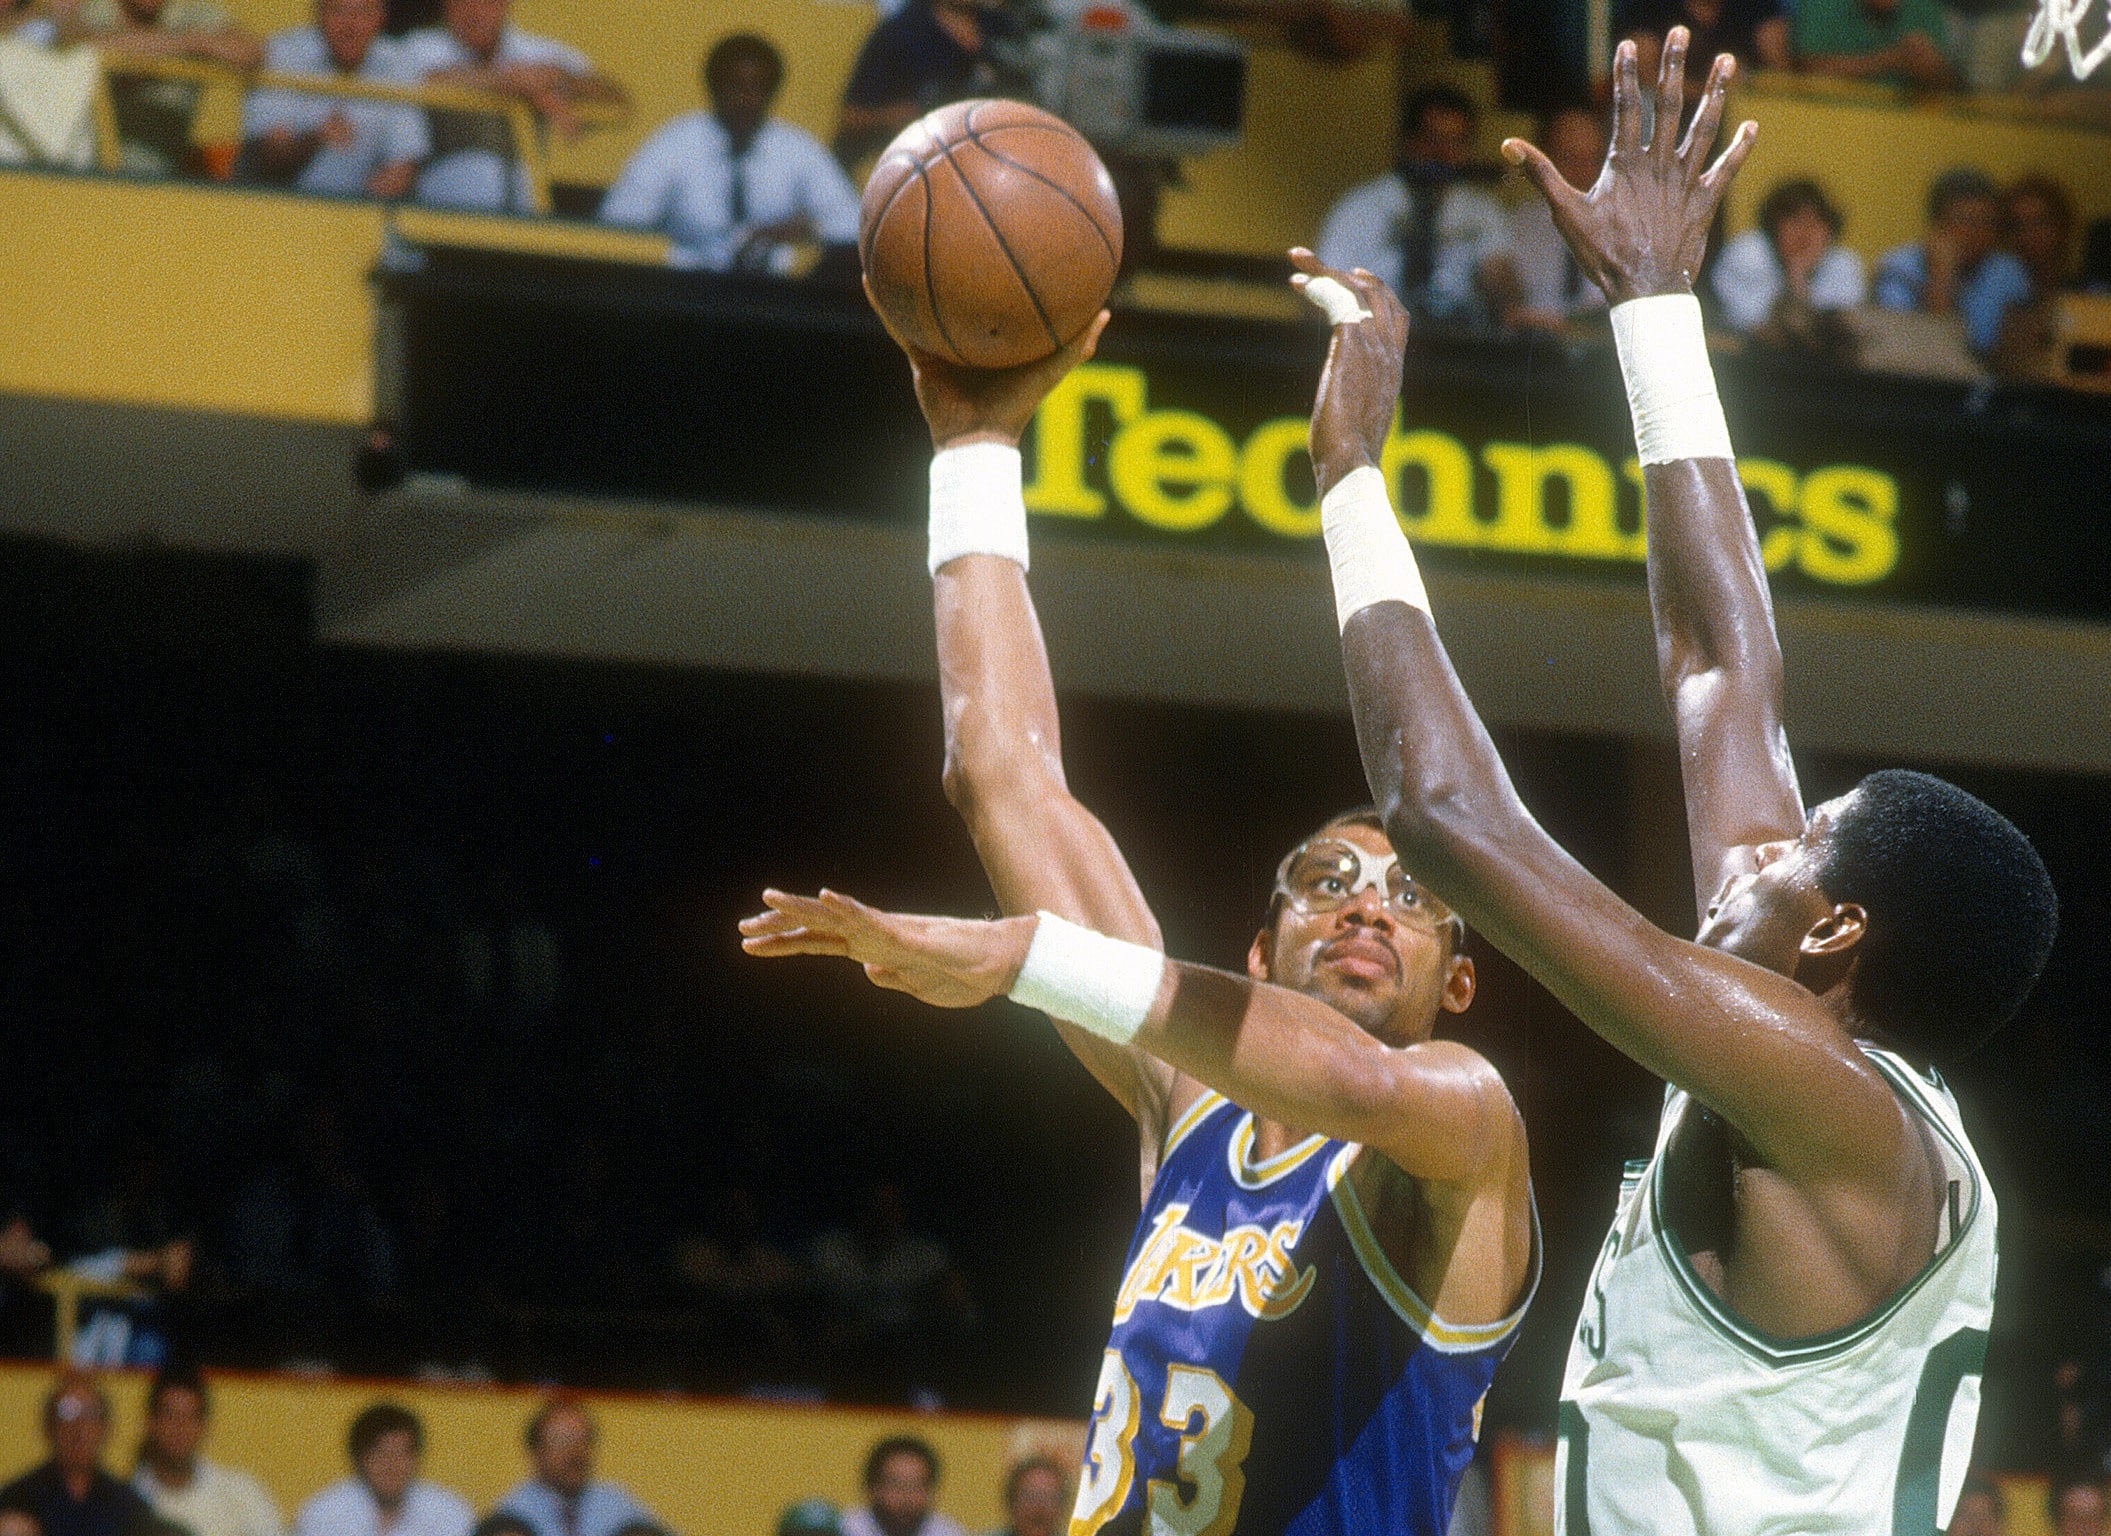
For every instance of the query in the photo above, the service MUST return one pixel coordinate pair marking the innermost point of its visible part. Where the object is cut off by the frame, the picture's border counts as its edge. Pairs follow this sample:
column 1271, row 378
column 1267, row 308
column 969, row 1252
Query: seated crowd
column 175, row 1490
column 733, row 187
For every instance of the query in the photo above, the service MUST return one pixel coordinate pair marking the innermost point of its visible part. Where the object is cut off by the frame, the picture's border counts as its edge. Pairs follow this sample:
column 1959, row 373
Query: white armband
column 1084, row 978
column 1369, row 554
column 1670, row 384
column 977, row 505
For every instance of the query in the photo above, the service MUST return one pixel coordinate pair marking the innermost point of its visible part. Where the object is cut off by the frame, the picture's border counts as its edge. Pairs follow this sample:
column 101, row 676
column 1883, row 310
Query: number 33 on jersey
column 1268, row 1370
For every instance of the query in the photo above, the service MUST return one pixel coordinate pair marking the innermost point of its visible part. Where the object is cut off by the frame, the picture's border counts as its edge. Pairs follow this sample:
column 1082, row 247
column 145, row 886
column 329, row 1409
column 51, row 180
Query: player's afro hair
column 1961, row 912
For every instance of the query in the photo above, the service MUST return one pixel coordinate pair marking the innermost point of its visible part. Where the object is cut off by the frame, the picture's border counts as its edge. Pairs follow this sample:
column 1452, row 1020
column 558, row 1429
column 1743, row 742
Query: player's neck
column 1271, row 1138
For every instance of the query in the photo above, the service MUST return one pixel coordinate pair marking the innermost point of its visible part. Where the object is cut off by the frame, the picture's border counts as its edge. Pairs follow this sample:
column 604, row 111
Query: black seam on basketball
column 1054, row 186
column 864, row 245
column 931, row 283
column 1003, row 245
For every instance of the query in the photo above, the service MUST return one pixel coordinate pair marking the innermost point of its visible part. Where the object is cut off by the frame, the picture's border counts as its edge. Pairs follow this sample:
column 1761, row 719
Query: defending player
column 1338, row 1239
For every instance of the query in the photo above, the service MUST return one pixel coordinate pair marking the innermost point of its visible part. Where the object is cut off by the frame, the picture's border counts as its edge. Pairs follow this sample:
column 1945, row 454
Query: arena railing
column 524, row 127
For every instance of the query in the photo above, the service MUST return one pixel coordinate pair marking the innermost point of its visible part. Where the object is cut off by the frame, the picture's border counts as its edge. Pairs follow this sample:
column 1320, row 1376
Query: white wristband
column 1370, row 555
column 1670, row 385
column 977, row 507
column 1084, row 978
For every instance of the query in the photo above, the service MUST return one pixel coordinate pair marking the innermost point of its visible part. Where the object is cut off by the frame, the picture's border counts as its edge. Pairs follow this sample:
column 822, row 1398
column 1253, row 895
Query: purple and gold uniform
column 1268, row 1371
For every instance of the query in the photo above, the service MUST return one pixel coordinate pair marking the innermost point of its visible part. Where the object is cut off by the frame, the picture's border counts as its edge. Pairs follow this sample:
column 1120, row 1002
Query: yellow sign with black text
column 1181, row 472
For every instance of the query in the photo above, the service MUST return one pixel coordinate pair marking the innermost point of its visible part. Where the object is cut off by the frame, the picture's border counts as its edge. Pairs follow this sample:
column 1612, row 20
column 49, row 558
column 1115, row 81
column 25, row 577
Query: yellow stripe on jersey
column 1251, row 1175
column 1197, row 1112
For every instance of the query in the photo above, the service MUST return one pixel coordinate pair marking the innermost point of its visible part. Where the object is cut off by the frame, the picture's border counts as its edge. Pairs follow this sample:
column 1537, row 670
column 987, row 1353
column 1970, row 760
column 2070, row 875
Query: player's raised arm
column 1436, row 1109
column 1042, row 849
column 1756, row 1046
column 1640, row 232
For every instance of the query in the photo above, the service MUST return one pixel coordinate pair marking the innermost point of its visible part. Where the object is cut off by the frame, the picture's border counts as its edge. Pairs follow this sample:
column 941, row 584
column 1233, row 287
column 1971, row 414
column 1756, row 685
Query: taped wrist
column 1084, row 978
column 1369, row 554
column 977, row 506
column 1670, row 384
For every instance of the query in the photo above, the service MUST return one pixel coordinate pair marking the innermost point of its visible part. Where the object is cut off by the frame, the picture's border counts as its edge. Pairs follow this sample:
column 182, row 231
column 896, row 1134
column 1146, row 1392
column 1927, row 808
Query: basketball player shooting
column 1337, row 1240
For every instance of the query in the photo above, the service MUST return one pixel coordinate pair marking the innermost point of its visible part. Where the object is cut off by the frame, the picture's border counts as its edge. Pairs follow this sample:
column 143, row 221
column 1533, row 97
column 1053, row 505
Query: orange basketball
column 990, row 233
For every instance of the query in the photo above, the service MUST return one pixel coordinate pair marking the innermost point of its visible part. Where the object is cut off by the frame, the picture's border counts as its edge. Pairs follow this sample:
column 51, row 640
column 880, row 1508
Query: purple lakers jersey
column 1268, row 1371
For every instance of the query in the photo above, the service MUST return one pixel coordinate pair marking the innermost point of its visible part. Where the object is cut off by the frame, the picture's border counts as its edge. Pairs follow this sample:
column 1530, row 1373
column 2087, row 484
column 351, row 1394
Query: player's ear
column 1257, row 954
column 1837, row 932
column 1460, row 983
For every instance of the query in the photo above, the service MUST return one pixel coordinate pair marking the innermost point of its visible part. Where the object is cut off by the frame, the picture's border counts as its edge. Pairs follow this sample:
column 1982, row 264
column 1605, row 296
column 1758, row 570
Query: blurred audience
column 154, row 116
column 1442, row 245
column 336, row 146
column 385, row 1496
column 1754, row 32
column 734, row 187
column 924, row 55
column 895, row 1297
column 2075, row 1505
column 808, row 1517
column 474, row 161
column 1890, row 42
column 2039, row 218
column 1554, row 289
column 19, row 21
column 70, row 1494
column 305, row 1221
column 1958, row 267
column 201, row 1496
column 1786, row 282
column 901, row 1480
column 1036, row 1497
column 563, row 1498
column 1980, row 1510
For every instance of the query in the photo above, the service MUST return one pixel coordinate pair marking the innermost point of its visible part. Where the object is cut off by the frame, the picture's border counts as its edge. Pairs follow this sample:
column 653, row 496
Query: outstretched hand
column 964, row 405
column 1360, row 386
column 1643, row 227
column 948, row 962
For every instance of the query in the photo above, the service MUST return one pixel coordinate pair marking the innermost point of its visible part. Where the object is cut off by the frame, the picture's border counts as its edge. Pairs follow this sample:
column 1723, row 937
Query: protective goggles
column 1328, row 873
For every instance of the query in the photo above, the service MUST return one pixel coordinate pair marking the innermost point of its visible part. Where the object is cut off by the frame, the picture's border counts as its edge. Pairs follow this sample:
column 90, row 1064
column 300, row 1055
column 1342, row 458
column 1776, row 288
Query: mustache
column 1332, row 947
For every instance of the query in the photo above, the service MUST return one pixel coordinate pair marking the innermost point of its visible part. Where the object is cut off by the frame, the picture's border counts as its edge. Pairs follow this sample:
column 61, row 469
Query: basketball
column 990, row 233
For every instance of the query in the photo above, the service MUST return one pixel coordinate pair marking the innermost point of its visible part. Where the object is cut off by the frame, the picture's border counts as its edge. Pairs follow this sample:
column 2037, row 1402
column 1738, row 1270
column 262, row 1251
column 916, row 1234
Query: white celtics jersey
column 1680, row 1419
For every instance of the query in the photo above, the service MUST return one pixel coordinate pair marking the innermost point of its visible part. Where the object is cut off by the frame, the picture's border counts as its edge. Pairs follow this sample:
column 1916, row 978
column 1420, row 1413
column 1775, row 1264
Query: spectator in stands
column 563, row 1498
column 2075, row 1505
column 19, row 1522
column 385, row 1496
column 1980, row 1510
column 1555, row 289
column 896, row 1299
column 202, row 1496
column 154, row 116
column 2038, row 217
column 808, row 1517
column 1036, row 1497
column 335, row 146
column 17, row 23
column 70, row 1494
column 1755, row 32
column 926, row 54
column 1891, row 42
column 501, row 1523
column 901, row 1478
column 1785, row 282
column 474, row 163
column 305, row 1222
column 1444, row 247
column 734, row 187
column 1957, row 268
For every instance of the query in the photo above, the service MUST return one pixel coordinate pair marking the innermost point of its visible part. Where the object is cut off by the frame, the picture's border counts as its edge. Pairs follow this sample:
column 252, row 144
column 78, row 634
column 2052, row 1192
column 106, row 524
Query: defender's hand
column 948, row 962
column 1360, row 387
column 1643, row 227
column 988, row 405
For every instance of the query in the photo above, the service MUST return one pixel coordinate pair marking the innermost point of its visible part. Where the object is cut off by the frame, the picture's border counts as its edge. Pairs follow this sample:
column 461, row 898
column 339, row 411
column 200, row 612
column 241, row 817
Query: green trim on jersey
column 1770, row 1348
column 1919, row 1492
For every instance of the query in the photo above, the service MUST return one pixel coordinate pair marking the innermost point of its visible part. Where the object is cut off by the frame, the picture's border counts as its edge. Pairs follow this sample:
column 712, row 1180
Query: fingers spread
column 1627, row 101
column 1671, row 92
column 1700, row 137
column 1553, row 186
column 1741, row 142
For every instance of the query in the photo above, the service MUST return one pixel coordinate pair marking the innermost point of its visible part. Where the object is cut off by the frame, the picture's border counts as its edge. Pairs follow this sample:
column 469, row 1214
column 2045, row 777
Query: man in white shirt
column 203, row 1497
column 901, row 1478
column 1557, row 290
column 385, row 1496
column 334, row 146
column 1442, row 246
column 734, row 187
column 564, row 1498
column 474, row 163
